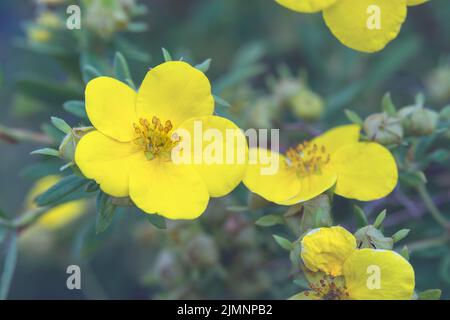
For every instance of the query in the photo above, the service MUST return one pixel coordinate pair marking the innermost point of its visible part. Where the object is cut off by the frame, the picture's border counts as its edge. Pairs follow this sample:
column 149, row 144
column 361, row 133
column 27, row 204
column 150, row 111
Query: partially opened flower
column 351, row 273
column 131, row 151
column 59, row 215
column 363, row 25
column 359, row 170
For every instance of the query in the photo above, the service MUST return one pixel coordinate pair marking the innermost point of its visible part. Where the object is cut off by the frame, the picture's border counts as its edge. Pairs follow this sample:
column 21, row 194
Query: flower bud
column 307, row 105
column 202, row 251
column 69, row 143
column 418, row 121
column 384, row 129
column 371, row 237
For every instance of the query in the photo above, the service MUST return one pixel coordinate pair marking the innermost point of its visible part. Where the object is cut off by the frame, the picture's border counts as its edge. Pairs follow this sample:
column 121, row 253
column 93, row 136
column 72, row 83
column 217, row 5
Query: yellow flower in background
column 363, row 25
column 129, row 153
column 359, row 170
column 60, row 215
column 351, row 273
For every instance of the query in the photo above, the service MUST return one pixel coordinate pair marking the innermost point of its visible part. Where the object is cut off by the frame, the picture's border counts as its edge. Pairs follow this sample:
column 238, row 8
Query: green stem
column 25, row 219
column 432, row 208
column 13, row 135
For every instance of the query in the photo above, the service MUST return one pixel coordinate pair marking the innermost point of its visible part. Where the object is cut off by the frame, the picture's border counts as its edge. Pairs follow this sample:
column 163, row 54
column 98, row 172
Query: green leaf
column 61, row 125
column 400, row 235
column 221, row 102
column 105, row 212
column 360, row 216
column 47, row 152
column 204, row 66
column 431, row 294
column 387, row 105
column 92, row 186
column 122, row 71
column 405, row 253
column 269, row 220
column 157, row 220
column 63, row 188
column 413, row 178
column 445, row 113
column 90, row 72
column 354, row 117
column 9, row 266
column 283, row 242
column 380, row 218
column 166, row 55
column 439, row 156
column 76, row 107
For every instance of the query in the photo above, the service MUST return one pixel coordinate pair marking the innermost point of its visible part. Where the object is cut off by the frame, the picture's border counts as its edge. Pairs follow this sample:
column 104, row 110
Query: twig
column 15, row 135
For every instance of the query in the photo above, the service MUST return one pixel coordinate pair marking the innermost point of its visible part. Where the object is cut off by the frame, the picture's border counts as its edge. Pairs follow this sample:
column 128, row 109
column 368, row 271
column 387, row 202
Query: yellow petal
column 378, row 275
column 107, row 161
column 365, row 171
column 312, row 185
column 175, row 91
column 110, row 105
column 221, row 157
column 268, row 176
column 338, row 137
column 326, row 249
column 170, row 190
column 366, row 25
column 416, row 2
column 306, row 5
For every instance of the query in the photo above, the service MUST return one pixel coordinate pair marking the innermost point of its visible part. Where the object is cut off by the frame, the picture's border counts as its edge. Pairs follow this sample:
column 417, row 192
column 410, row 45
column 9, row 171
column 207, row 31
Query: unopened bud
column 307, row 105
column 371, row 237
column 418, row 121
column 384, row 129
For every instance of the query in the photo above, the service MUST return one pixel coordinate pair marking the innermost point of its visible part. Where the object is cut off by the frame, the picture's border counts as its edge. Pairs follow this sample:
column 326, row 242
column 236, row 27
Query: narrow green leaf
column 61, row 124
column 400, row 235
column 47, row 152
column 122, row 71
column 405, row 253
column 387, row 105
column 353, row 117
column 157, row 220
column 445, row 113
column 283, row 242
column 221, row 102
column 360, row 216
column 9, row 267
column 105, row 212
column 269, row 220
column 63, row 188
column 166, row 55
column 92, row 186
column 413, row 178
column 90, row 72
column 76, row 107
column 380, row 218
column 204, row 66
column 432, row 294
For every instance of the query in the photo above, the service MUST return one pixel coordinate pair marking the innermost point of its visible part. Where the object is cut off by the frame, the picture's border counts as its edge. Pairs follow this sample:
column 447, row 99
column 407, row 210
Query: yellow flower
column 363, row 25
column 351, row 273
column 131, row 151
column 359, row 170
column 60, row 215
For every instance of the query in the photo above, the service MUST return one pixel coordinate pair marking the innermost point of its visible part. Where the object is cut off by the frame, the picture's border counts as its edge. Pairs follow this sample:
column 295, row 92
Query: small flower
column 129, row 153
column 351, row 273
column 363, row 25
column 359, row 170
column 60, row 215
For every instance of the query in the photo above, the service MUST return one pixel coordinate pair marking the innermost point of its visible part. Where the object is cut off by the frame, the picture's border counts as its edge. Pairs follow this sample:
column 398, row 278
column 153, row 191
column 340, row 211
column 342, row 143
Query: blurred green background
column 253, row 45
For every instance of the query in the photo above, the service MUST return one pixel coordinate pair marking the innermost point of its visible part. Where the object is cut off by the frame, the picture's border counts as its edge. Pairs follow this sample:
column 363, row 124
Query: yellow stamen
column 155, row 138
column 307, row 158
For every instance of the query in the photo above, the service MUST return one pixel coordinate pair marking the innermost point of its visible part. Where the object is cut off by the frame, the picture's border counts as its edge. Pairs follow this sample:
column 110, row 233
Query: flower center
column 328, row 289
column 156, row 138
column 307, row 158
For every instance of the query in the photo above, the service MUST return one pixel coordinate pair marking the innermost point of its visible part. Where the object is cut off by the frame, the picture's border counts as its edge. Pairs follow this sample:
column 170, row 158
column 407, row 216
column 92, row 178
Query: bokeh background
column 259, row 52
